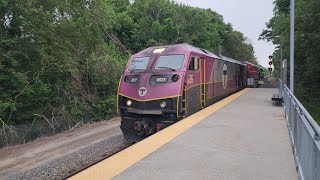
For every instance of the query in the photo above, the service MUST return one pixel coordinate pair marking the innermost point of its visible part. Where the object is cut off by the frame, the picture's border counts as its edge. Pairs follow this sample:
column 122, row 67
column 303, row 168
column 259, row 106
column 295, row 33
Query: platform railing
column 304, row 135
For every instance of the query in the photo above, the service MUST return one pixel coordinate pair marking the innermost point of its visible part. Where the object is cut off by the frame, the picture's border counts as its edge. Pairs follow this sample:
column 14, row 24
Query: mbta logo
column 142, row 91
column 225, row 76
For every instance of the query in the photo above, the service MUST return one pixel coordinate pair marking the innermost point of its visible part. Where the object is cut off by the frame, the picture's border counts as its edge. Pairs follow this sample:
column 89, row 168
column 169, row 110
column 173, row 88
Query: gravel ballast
column 61, row 155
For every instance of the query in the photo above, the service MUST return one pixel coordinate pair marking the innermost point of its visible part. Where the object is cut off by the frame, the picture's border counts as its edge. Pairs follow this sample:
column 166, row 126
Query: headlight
column 126, row 79
column 129, row 102
column 175, row 77
column 163, row 104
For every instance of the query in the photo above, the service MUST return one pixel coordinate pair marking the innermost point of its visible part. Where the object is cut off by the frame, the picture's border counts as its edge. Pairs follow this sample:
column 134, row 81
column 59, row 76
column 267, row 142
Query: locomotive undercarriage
column 136, row 127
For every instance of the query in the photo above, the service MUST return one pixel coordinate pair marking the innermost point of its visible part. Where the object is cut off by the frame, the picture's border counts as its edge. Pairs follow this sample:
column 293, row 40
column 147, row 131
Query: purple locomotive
column 162, row 85
column 255, row 74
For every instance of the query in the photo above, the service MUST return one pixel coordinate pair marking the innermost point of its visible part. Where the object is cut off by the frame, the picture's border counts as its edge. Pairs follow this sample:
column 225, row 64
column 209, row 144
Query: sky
column 246, row 16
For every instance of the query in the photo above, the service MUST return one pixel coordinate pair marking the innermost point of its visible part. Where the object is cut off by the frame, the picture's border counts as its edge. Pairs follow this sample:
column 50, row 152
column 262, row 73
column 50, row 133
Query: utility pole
column 281, row 65
column 292, row 46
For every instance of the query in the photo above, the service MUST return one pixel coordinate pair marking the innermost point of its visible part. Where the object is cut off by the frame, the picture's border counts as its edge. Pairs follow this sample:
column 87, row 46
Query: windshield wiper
column 167, row 68
column 131, row 71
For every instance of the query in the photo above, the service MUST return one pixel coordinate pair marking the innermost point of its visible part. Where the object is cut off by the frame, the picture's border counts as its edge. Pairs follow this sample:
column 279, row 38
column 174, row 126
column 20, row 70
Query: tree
column 49, row 59
column 307, row 40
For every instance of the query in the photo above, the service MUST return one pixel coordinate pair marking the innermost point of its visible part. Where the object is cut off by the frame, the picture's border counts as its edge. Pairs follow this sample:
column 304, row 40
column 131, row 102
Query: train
column 255, row 74
column 161, row 85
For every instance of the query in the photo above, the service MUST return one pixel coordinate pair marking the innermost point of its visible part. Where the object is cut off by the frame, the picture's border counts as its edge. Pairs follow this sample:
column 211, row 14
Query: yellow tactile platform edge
column 119, row 162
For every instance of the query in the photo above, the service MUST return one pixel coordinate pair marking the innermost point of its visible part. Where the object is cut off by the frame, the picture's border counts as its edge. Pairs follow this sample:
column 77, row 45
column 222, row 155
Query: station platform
column 241, row 137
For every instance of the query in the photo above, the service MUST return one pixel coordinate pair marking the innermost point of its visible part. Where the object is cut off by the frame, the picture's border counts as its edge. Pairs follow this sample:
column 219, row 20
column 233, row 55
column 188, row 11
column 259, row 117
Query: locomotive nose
column 148, row 86
column 151, row 91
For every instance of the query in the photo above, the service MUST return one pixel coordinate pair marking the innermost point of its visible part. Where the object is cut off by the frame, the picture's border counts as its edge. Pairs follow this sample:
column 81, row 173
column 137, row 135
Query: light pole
column 281, row 65
column 292, row 46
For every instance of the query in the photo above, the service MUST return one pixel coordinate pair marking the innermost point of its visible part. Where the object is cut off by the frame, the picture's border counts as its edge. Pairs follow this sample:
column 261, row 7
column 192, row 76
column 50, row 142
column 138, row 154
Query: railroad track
column 103, row 157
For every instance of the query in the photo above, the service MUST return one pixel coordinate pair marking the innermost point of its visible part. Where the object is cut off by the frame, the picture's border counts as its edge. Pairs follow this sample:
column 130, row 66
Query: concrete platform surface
column 246, row 139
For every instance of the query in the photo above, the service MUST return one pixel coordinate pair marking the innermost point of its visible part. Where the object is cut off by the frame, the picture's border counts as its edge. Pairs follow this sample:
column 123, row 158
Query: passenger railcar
column 162, row 85
column 254, row 74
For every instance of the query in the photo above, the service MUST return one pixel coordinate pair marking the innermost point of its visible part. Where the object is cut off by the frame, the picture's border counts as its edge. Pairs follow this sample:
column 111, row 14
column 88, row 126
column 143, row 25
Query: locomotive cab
column 149, row 95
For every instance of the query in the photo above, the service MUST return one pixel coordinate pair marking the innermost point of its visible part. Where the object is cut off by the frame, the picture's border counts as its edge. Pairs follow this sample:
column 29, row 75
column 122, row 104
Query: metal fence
column 304, row 135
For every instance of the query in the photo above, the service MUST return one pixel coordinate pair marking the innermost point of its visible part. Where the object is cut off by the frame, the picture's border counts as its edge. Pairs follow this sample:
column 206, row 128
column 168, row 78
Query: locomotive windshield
column 139, row 63
column 170, row 62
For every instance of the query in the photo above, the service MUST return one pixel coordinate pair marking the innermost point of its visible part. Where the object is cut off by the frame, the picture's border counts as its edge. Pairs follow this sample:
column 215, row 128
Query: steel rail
column 93, row 163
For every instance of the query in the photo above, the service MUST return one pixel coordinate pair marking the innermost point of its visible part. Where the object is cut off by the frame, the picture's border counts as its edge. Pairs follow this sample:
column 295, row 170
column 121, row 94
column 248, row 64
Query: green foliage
column 63, row 59
column 56, row 59
column 162, row 22
column 307, row 40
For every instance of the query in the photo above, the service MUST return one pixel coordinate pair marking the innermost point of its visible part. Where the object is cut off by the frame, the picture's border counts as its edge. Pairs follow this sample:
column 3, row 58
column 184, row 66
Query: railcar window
column 139, row 63
column 170, row 62
column 194, row 64
column 225, row 72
